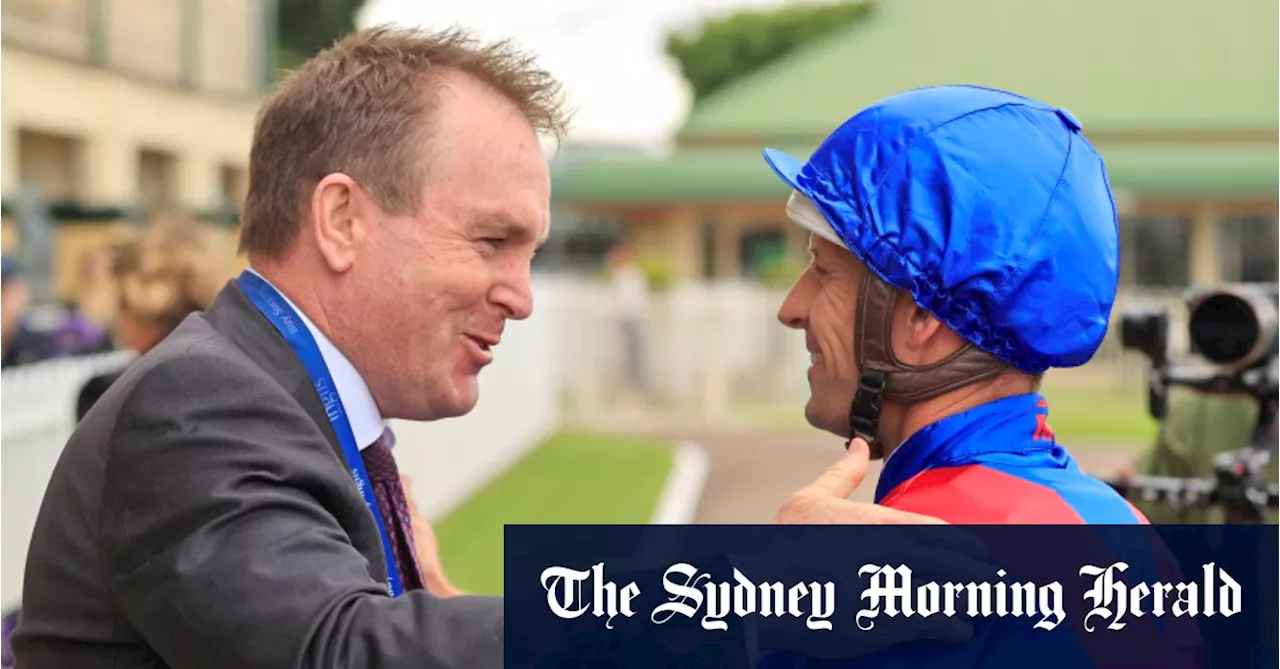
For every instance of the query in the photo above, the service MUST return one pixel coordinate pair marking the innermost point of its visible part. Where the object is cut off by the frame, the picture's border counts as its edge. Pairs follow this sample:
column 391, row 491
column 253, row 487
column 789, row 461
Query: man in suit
column 232, row 500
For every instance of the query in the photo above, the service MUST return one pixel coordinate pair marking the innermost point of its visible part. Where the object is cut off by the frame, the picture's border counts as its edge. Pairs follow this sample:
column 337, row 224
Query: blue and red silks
column 997, row 463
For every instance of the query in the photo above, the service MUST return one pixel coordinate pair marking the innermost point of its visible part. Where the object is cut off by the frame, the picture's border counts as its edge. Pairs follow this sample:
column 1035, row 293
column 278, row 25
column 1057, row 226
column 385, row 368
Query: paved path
column 751, row 475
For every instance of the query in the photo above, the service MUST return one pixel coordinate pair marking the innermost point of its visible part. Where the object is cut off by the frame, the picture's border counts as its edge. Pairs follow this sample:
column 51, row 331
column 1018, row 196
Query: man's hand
column 826, row 500
column 425, row 545
column 932, row 555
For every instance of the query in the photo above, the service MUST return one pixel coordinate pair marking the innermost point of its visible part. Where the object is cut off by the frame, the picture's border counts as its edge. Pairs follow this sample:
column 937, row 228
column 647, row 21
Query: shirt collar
column 366, row 422
column 1005, row 430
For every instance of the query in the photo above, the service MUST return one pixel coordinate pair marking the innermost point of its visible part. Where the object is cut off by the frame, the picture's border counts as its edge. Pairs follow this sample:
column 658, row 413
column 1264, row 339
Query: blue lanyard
column 290, row 326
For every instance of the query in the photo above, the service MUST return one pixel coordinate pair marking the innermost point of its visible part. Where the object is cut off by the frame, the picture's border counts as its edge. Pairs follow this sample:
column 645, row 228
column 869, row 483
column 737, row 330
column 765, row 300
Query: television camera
column 1233, row 328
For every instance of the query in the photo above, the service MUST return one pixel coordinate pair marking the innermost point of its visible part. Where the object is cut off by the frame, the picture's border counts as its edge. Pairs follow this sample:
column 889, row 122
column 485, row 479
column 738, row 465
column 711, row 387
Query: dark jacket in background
column 28, row 347
column 92, row 390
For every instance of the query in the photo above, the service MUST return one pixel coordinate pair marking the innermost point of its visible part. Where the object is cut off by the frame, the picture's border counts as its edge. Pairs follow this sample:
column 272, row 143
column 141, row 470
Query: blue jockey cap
column 990, row 209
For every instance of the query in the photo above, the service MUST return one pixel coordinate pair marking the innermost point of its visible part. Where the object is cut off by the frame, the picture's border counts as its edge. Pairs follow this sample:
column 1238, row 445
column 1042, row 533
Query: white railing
column 38, row 398
column 447, row 460
column 708, row 347
column 703, row 347
column 37, row 415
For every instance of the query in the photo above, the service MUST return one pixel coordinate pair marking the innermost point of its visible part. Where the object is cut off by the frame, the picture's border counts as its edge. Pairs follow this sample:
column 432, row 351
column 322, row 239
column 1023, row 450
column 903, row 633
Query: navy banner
column 891, row 596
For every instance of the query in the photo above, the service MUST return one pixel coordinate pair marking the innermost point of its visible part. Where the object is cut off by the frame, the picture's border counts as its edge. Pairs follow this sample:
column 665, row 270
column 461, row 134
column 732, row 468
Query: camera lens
column 1227, row 329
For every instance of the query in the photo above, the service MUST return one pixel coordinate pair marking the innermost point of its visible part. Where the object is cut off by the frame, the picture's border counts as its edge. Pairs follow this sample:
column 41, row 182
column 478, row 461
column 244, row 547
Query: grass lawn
column 1083, row 415
column 1079, row 415
column 571, row 478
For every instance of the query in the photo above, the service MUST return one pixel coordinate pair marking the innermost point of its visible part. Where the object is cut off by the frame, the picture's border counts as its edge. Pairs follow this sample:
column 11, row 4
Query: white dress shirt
column 362, row 412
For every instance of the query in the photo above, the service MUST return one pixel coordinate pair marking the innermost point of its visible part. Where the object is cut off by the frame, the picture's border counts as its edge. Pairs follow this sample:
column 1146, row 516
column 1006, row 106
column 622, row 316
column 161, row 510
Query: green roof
column 685, row 177
column 718, row 175
column 1120, row 66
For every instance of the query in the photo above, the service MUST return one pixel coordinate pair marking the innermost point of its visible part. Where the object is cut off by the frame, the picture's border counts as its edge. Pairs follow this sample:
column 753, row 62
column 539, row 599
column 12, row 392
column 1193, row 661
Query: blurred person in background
column 7, row 625
column 21, row 344
column 1197, row 427
column 72, row 333
column 84, row 327
column 96, row 296
column 166, row 272
column 77, row 334
column 89, row 317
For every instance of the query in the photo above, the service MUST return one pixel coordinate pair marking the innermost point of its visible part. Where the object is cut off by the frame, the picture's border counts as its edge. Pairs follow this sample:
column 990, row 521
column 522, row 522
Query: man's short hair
column 363, row 107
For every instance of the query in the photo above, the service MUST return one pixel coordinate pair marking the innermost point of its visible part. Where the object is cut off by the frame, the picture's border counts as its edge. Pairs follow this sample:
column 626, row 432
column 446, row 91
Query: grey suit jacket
column 202, row 516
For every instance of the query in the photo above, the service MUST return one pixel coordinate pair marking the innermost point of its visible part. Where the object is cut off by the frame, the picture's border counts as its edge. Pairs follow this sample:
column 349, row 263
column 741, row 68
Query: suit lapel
column 233, row 315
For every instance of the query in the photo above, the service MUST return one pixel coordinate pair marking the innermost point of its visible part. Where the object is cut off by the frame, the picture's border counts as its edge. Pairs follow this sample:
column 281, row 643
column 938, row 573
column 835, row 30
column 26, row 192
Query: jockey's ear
column 919, row 338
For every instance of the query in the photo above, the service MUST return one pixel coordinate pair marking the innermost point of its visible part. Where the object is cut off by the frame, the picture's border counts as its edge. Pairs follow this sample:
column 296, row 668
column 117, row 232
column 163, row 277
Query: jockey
column 964, row 240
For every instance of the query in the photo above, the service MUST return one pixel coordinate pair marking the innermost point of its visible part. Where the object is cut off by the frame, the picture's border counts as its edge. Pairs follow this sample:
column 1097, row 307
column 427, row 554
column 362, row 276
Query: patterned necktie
column 384, row 476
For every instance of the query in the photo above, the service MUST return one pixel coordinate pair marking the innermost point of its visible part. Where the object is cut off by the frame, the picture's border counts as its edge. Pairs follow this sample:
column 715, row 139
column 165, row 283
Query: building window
column 708, row 250
column 578, row 244
column 1155, row 252
column 50, row 164
column 1248, row 249
column 156, row 178
column 761, row 249
column 232, row 188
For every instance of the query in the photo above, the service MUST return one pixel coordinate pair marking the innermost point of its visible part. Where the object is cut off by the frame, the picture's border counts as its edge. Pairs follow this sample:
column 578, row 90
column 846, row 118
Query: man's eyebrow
column 506, row 228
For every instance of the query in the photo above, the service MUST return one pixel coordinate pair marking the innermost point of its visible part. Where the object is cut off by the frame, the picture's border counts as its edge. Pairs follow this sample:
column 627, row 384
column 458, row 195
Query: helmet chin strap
column 884, row 377
column 864, row 412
